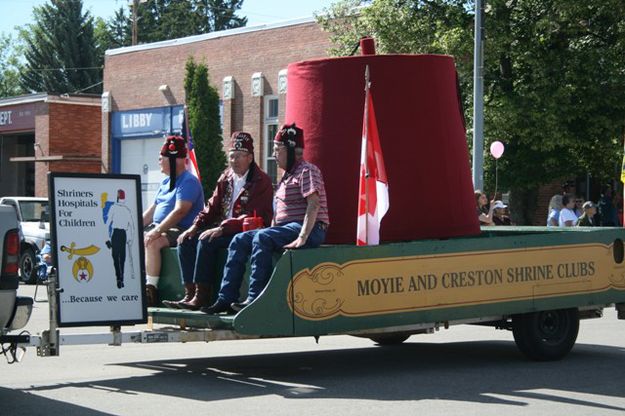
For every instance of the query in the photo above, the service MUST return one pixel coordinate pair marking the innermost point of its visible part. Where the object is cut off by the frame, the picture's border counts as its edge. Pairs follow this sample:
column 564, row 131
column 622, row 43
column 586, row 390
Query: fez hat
column 241, row 141
column 290, row 136
column 175, row 147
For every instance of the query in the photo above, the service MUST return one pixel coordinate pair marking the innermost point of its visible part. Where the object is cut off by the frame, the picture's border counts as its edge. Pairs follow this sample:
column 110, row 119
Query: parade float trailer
column 534, row 281
column 435, row 266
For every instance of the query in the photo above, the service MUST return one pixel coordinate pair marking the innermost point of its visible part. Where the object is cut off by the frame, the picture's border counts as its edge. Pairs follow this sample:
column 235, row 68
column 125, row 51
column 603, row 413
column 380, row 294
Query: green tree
column 554, row 77
column 114, row 32
column 556, row 92
column 60, row 51
column 219, row 14
column 10, row 66
column 169, row 19
column 204, row 122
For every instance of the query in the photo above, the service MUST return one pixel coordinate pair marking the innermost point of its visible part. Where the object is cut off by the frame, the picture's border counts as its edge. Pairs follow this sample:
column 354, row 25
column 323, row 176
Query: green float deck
column 318, row 291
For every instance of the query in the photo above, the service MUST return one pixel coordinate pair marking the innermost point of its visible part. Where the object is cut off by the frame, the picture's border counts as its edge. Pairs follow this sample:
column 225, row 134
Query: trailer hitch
column 13, row 352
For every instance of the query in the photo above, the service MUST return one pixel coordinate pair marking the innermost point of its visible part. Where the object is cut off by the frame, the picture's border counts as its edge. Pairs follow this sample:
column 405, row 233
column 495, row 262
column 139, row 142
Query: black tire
column 28, row 261
column 546, row 335
column 389, row 339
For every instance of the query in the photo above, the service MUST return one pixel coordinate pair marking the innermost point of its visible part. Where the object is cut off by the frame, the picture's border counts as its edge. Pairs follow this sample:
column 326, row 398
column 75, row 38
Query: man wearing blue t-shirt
column 178, row 201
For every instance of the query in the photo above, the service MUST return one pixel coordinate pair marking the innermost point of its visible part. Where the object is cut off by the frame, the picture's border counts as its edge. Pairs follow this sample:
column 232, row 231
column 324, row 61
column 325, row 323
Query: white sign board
column 97, row 240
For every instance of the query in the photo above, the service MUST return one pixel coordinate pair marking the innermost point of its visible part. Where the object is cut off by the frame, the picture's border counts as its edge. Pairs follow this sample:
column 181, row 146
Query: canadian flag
column 373, row 202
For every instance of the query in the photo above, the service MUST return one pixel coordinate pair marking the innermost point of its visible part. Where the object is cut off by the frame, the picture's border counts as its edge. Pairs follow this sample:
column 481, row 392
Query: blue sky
column 19, row 12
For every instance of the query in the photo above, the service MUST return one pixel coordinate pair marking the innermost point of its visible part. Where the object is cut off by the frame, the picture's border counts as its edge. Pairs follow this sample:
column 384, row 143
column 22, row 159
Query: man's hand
column 151, row 236
column 212, row 234
column 186, row 235
column 297, row 243
column 312, row 209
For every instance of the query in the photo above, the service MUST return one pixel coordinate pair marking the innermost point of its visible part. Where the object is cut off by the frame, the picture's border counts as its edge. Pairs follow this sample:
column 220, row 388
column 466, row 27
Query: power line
column 67, row 69
column 89, row 87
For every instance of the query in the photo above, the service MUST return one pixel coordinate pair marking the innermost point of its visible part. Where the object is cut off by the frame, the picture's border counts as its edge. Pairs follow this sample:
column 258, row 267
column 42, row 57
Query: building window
column 271, row 128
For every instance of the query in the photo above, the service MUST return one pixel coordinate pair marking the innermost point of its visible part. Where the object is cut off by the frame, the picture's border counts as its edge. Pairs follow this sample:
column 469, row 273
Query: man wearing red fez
column 301, row 220
column 242, row 191
column 177, row 202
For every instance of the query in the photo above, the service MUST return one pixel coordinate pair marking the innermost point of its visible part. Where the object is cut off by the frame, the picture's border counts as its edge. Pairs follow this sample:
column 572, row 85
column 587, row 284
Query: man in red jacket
column 242, row 191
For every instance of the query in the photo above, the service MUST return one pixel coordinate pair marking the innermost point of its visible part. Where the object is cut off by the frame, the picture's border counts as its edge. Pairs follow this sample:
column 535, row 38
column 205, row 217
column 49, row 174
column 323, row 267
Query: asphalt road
column 467, row 370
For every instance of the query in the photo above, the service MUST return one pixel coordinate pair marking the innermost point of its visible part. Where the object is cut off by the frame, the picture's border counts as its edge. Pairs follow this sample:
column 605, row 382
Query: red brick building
column 46, row 132
column 144, row 94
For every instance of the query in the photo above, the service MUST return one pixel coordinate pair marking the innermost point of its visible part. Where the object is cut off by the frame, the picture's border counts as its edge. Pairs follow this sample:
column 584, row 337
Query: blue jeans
column 198, row 258
column 260, row 245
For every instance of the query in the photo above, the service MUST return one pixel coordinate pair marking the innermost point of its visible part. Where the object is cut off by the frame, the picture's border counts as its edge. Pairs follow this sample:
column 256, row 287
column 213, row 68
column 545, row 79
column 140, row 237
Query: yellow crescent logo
column 82, row 270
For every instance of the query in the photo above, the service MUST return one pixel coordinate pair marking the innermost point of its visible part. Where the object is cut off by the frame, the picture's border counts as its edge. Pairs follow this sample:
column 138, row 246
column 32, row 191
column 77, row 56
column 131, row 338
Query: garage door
column 140, row 157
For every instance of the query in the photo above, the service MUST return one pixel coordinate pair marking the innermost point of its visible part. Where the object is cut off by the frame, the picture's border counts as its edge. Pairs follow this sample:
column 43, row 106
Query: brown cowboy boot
column 189, row 293
column 201, row 298
column 151, row 294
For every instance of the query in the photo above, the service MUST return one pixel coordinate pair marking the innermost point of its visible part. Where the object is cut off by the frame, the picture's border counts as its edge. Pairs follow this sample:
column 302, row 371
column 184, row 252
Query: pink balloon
column 496, row 149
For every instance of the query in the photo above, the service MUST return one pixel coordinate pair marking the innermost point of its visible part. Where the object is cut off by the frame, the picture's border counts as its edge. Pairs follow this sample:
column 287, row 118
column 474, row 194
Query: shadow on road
column 19, row 403
column 484, row 372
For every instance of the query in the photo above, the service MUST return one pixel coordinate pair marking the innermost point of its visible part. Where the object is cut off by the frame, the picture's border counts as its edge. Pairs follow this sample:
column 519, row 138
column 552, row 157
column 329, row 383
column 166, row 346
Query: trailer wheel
column 389, row 339
column 546, row 335
column 27, row 271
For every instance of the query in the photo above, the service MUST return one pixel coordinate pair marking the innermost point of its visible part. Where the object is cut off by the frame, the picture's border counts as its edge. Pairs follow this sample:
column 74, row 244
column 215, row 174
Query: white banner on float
column 97, row 241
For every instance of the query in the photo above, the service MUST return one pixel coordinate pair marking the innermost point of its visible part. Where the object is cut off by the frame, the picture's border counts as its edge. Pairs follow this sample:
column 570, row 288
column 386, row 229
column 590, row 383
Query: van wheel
column 27, row 266
column 546, row 335
column 389, row 339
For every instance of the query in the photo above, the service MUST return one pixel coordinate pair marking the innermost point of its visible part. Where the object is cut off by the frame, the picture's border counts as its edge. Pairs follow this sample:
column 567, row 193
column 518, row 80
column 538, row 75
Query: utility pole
column 478, row 98
column 135, row 18
column 135, row 5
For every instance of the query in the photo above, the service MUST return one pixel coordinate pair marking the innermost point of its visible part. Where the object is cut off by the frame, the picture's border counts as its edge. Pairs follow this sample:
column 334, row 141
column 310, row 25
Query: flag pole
column 186, row 122
column 366, row 133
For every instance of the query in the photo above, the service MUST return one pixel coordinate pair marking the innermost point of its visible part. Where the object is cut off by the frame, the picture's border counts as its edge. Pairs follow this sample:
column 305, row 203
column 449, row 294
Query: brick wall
column 133, row 78
column 545, row 193
column 74, row 130
column 71, row 131
column 42, row 131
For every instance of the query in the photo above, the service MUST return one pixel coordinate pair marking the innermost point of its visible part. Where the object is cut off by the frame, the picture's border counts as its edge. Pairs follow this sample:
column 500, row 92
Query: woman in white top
column 555, row 205
column 567, row 215
column 484, row 211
